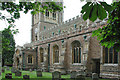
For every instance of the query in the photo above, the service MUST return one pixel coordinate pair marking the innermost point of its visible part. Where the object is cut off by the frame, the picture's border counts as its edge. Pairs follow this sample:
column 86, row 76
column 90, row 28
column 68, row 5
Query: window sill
column 56, row 63
column 77, row 64
column 110, row 64
column 29, row 63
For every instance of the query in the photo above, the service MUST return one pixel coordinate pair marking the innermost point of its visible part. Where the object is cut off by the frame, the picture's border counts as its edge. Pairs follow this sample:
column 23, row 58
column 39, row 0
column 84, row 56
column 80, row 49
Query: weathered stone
column 8, row 76
column 80, row 77
column 7, row 68
column 56, row 75
column 95, row 76
column 13, row 70
column 3, row 70
column 39, row 73
column 82, row 73
column 18, row 73
column 30, row 70
column 73, row 74
column 26, row 76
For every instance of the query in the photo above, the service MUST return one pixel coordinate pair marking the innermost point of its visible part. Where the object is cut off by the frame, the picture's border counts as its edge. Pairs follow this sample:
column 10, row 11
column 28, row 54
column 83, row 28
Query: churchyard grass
column 33, row 76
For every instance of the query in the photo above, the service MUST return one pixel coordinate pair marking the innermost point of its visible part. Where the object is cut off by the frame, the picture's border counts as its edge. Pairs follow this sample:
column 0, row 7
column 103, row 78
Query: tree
column 109, row 35
column 14, row 9
column 8, row 46
column 8, row 43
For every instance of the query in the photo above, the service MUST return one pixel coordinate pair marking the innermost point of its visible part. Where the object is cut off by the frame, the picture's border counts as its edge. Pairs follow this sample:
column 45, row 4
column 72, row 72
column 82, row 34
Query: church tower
column 41, row 22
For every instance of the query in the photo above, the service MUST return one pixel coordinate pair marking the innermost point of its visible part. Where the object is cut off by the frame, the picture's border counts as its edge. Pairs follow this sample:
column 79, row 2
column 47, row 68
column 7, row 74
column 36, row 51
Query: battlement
column 67, row 22
column 70, row 26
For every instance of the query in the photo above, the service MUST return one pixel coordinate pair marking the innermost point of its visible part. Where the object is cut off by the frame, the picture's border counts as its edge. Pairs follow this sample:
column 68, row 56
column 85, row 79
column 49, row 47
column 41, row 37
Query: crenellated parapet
column 74, row 25
column 71, row 25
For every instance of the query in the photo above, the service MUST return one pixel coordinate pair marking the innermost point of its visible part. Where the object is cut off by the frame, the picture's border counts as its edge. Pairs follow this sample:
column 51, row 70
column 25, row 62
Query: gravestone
column 3, row 70
column 30, row 70
column 26, row 77
column 95, row 76
column 56, row 75
column 8, row 76
column 81, row 72
column 80, row 77
column 34, row 69
column 7, row 68
column 13, row 70
column 73, row 74
column 18, row 73
column 39, row 73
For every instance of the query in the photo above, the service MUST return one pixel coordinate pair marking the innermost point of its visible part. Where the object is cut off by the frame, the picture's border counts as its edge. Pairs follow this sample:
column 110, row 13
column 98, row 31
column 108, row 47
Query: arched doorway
column 17, row 62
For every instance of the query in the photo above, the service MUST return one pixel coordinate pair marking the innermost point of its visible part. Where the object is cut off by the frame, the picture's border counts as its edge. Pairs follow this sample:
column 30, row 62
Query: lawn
column 33, row 76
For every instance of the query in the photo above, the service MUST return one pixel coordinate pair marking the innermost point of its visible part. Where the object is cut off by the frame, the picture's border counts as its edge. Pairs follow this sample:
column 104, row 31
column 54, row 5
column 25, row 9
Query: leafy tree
column 8, row 43
column 109, row 35
column 14, row 9
column 8, row 46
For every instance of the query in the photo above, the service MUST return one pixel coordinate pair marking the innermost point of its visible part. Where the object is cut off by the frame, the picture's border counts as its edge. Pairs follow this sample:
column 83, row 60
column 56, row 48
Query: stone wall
column 109, row 70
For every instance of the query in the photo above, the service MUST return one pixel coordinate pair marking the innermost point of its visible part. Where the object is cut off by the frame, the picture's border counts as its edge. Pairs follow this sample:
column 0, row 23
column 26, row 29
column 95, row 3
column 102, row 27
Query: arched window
column 30, row 59
column 41, row 55
column 110, row 55
column 55, row 54
column 76, row 52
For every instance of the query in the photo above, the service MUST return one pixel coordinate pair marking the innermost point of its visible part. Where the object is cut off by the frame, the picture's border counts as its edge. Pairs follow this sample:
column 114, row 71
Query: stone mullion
column 74, row 55
column 78, row 55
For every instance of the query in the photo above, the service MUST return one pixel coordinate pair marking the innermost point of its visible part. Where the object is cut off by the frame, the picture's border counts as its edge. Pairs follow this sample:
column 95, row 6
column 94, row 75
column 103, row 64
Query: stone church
column 66, row 46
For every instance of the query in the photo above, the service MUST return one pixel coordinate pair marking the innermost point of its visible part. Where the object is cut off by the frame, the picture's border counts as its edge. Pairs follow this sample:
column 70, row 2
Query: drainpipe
column 48, row 57
column 36, row 58
column 23, row 62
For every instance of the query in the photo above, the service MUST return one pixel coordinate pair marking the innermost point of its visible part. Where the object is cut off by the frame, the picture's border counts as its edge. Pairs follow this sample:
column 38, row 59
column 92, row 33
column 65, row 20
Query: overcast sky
column 73, row 8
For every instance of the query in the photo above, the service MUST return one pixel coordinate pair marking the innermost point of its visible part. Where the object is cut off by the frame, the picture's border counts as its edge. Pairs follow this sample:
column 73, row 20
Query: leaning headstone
column 30, row 70
column 73, row 74
column 26, row 76
column 3, row 70
column 39, row 73
column 13, row 70
column 56, row 75
column 8, row 76
column 80, row 77
column 95, row 76
column 18, row 73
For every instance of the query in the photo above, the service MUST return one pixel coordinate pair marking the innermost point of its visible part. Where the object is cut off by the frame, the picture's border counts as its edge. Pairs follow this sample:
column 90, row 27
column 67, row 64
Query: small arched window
column 76, row 52
column 30, row 59
column 41, row 55
column 55, row 54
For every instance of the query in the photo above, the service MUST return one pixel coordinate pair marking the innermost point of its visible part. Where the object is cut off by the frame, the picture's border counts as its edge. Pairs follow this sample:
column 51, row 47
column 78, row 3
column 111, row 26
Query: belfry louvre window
column 30, row 59
column 54, row 16
column 55, row 54
column 47, row 13
column 110, row 55
column 76, row 52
